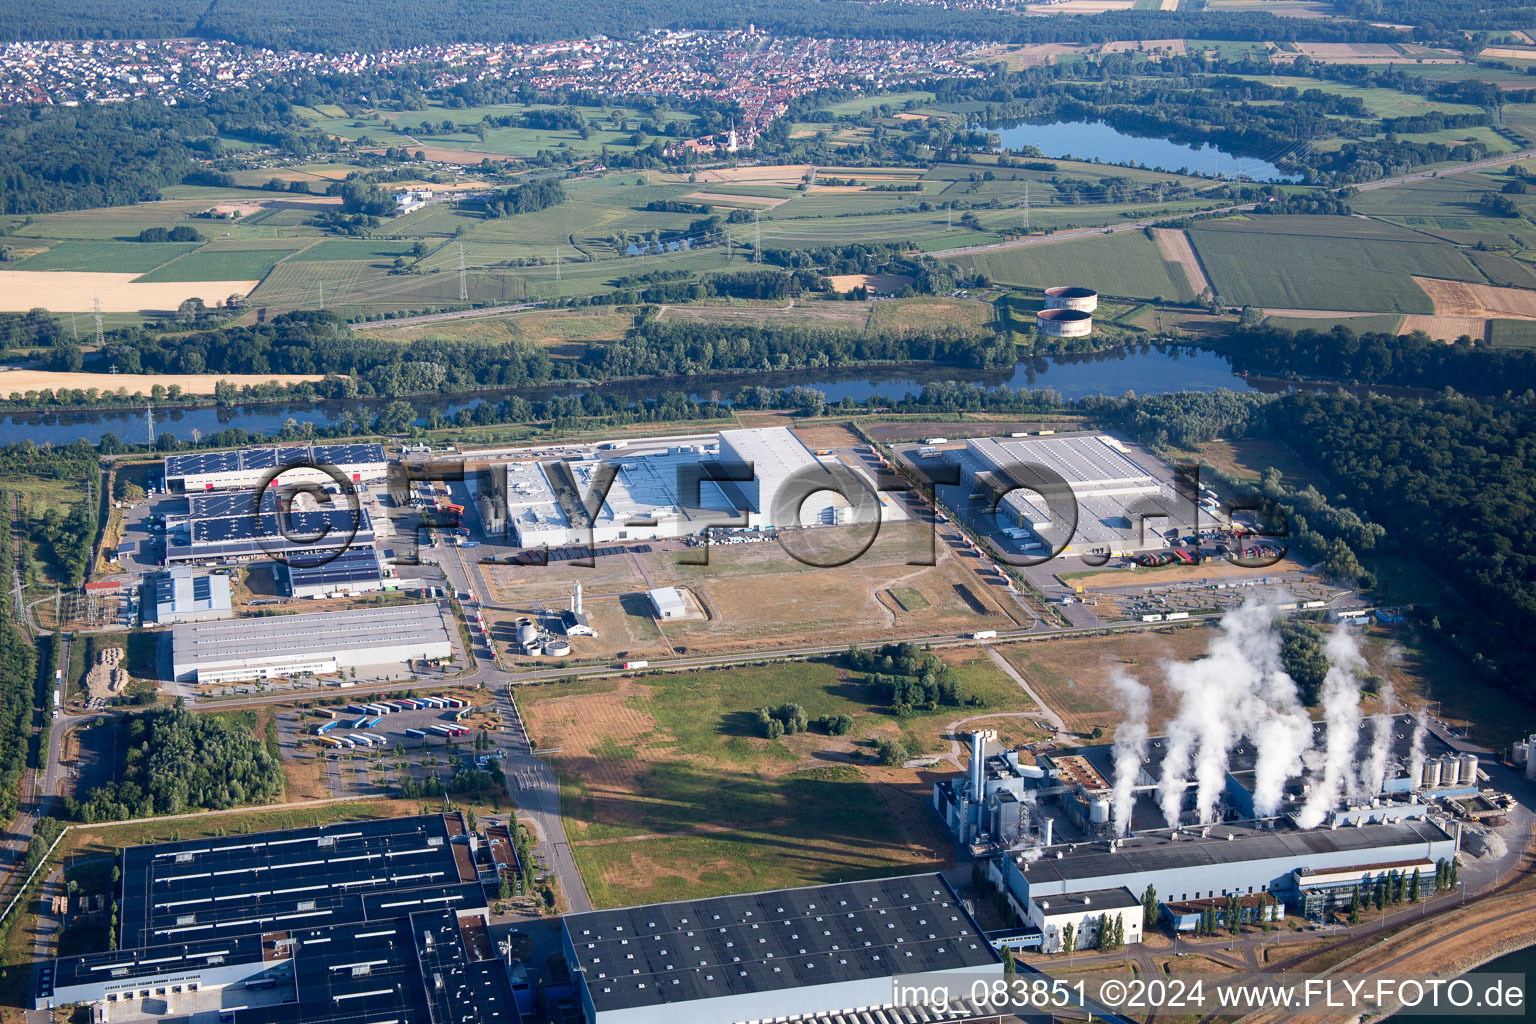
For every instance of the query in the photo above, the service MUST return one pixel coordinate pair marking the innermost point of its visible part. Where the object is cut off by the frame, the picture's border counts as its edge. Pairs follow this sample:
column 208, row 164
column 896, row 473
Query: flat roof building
column 238, row 526
column 782, row 955
column 338, row 924
column 321, row 643
column 249, row 467
column 1120, row 506
column 179, row 596
column 652, row 495
column 668, row 602
column 356, row 570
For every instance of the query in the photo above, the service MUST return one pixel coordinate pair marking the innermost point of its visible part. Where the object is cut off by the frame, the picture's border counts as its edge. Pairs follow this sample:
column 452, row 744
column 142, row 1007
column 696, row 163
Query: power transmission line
column 463, row 282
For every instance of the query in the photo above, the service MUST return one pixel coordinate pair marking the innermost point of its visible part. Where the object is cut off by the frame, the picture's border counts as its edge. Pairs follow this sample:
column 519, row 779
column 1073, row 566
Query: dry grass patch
column 1445, row 328
column 1073, row 677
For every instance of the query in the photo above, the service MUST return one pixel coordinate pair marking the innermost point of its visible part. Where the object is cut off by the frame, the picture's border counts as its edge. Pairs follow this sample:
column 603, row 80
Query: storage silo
column 1084, row 300
column 1431, row 773
column 1064, row 323
column 1450, row 770
column 1468, row 774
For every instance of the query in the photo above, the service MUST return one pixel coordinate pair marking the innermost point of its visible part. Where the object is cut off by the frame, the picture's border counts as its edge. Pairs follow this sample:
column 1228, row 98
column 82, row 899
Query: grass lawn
column 342, row 249
column 812, row 827
column 1514, row 333
column 105, row 257
column 1128, row 264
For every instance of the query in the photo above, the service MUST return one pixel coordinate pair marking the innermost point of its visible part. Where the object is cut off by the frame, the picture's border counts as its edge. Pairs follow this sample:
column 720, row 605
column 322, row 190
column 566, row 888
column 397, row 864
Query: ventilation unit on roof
column 325, row 841
column 183, row 858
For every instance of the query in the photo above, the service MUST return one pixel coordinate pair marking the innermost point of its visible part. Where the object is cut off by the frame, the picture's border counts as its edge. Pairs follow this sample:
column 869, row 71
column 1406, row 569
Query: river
column 1095, row 140
column 1144, row 370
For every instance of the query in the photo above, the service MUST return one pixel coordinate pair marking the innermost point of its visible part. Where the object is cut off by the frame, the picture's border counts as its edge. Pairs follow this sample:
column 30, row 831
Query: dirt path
column 1174, row 244
column 1057, row 722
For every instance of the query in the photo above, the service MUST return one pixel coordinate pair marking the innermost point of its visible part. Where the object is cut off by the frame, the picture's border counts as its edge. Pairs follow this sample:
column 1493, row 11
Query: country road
column 433, row 318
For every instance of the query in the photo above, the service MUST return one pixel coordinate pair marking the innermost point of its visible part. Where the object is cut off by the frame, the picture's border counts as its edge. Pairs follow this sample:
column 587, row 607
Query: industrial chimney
column 978, row 767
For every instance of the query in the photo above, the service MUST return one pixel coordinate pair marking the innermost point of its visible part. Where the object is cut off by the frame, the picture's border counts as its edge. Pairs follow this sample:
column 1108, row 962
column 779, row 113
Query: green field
column 220, row 265
column 1514, row 333
column 1324, row 263
column 1127, row 263
column 1381, row 324
column 346, row 250
column 104, row 257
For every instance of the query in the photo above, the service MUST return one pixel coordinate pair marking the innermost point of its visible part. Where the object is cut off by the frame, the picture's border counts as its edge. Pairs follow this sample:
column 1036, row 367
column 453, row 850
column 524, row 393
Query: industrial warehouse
column 322, row 643
column 1049, row 834
column 376, row 920
column 241, row 526
column 251, row 467
column 1082, row 492
column 386, row 920
column 357, row 570
column 740, row 475
column 795, row 954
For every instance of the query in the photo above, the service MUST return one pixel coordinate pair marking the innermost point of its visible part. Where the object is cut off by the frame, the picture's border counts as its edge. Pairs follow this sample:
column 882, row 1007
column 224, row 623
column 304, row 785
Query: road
column 1138, row 225
column 434, row 318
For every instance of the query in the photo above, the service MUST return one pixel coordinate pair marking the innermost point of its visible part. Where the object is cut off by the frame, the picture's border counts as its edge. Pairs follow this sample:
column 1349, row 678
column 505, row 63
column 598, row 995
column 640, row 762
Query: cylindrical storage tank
column 557, row 648
column 1450, row 770
column 534, row 650
column 1468, row 774
column 1064, row 323
column 1085, row 300
column 1431, row 773
column 1530, row 768
column 527, row 631
column 1098, row 811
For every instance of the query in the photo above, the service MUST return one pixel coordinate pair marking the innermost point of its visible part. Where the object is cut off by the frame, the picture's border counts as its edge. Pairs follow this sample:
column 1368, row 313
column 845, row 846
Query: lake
column 1144, row 370
column 1095, row 140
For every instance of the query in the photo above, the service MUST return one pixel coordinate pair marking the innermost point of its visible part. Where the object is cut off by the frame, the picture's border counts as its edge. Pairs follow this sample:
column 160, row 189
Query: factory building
column 1120, row 506
column 1218, row 861
column 1087, row 913
column 179, row 596
column 322, row 643
column 806, row 954
column 242, row 526
column 356, row 570
column 250, row 467
column 668, row 602
column 361, row 921
column 650, row 496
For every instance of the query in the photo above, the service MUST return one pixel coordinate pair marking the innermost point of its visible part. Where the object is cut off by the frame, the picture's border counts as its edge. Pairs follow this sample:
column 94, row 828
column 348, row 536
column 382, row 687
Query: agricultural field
column 1127, row 263
column 670, row 790
column 220, row 264
column 1327, row 263
column 105, row 257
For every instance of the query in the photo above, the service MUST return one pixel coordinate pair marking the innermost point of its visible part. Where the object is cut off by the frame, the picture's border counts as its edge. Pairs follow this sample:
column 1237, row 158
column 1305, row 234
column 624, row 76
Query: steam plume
column 1341, row 710
column 1416, row 752
column 1130, row 748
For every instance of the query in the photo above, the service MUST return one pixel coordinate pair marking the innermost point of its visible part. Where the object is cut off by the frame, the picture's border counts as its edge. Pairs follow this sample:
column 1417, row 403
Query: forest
column 18, row 675
column 176, row 761
column 346, row 25
column 1456, row 475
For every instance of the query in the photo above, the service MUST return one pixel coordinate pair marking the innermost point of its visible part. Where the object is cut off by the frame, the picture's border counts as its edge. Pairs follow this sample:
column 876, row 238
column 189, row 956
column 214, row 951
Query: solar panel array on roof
column 228, row 469
column 739, row 945
column 354, row 565
column 238, row 884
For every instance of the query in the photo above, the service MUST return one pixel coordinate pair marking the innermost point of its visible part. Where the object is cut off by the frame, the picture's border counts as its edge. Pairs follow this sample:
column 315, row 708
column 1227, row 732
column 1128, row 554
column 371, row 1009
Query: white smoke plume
column 1130, row 748
column 1341, row 711
column 1416, row 751
column 1238, row 690
column 1373, row 772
